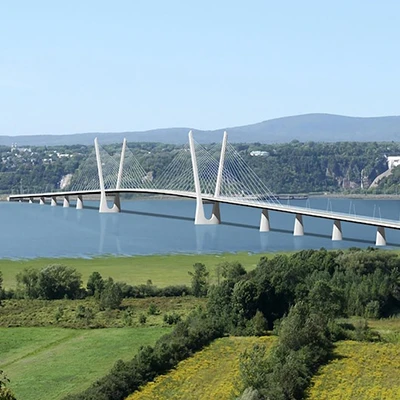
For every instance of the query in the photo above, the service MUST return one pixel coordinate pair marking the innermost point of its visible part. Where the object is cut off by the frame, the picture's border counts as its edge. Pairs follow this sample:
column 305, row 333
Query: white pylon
column 200, row 218
column 103, row 208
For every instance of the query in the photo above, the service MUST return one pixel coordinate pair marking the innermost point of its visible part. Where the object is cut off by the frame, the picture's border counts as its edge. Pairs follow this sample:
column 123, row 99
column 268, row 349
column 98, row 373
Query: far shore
column 363, row 196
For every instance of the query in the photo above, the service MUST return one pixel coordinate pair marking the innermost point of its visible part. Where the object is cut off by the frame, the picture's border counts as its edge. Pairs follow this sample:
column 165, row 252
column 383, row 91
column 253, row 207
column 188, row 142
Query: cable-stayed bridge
column 194, row 173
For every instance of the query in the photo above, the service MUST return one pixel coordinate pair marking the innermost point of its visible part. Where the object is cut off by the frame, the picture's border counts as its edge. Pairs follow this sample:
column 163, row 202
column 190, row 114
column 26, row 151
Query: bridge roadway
column 241, row 201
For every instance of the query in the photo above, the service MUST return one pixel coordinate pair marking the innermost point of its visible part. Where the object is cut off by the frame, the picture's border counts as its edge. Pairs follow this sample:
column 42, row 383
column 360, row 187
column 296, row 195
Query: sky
column 131, row 65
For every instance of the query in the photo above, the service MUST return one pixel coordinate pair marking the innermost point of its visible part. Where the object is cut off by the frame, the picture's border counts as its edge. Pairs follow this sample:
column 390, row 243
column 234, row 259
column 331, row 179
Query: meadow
column 46, row 360
column 162, row 270
column 211, row 373
column 48, row 363
column 63, row 313
column 359, row 371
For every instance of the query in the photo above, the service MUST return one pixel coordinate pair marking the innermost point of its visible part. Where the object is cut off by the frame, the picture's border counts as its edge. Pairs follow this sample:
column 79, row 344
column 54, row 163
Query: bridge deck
column 242, row 201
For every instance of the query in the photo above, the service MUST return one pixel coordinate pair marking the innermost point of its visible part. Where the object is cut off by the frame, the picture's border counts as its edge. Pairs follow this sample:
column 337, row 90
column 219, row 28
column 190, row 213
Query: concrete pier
column 298, row 225
column 264, row 223
column 66, row 202
column 337, row 230
column 79, row 202
column 380, row 236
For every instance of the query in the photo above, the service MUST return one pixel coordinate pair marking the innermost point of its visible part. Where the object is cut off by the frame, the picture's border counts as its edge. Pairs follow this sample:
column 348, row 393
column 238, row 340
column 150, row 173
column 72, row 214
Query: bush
column 174, row 291
column 372, row 309
column 59, row 313
column 250, row 394
column 171, row 319
column 128, row 291
column 5, row 392
column 363, row 333
column 153, row 309
column 84, row 313
column 127, row 317
column 142, row 319
column 111, row 296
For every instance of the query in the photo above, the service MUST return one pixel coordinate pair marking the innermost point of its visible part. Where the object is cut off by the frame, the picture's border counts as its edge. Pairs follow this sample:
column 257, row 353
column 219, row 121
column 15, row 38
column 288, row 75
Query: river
column 166, row 226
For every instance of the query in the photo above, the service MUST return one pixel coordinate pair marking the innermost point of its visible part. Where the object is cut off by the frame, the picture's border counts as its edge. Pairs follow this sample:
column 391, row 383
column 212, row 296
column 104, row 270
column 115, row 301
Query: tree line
column 285, row 168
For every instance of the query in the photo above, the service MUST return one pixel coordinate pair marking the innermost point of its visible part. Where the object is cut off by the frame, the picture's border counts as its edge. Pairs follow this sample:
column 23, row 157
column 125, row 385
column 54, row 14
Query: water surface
column 166, row 226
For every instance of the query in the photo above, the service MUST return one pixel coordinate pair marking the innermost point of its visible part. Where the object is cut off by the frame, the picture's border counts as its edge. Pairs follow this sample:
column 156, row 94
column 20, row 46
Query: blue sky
column 100, row 66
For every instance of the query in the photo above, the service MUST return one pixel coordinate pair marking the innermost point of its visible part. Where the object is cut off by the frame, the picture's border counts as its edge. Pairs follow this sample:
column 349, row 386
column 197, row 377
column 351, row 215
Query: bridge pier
column 79, row 202
column 66, row 202
column 264, row 223
column 298, row 226
column 30, row 200
column 103, row 208
column 200, row 217
column 380, row 236
column 337, row 230
column 42, row 201
column 53, row 201
column 117, row 202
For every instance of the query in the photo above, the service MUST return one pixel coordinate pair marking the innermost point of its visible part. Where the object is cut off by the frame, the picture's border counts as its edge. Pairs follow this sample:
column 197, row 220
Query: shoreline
column 357, row 196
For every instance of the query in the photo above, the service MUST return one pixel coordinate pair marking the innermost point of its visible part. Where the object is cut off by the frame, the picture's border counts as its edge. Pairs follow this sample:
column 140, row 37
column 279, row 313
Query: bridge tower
column 200, row 218
column 103, row 208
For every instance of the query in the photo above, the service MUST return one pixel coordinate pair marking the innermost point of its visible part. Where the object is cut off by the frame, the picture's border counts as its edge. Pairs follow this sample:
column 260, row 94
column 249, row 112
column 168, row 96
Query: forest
column 312, row 167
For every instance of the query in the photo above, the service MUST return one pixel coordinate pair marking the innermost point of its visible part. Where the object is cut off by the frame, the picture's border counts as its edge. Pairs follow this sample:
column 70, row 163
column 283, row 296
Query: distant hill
column 307, row 127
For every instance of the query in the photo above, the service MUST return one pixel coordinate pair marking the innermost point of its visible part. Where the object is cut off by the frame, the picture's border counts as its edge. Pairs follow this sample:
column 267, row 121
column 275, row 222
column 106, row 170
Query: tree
column 95, row 284
column 325, row 299
column 232, row 271
column 244, row 299
column 259, row 324
column 111, row 296
column 199, row 280
column 28, row 283
column 59, row 281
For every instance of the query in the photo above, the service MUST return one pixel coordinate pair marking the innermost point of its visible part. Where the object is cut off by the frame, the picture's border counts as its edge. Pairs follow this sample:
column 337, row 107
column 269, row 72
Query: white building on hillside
column 393, row 161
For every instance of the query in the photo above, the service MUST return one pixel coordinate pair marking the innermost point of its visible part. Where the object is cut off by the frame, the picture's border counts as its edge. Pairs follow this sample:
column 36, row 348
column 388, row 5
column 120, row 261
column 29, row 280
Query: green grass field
column 48, row 363
column 163, row 270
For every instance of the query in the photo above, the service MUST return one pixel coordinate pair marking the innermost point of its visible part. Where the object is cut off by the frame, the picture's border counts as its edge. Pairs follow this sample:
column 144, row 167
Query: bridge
column 194, row 173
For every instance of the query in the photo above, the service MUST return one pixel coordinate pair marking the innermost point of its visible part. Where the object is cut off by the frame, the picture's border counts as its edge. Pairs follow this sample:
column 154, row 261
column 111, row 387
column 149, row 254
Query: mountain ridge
column 317, row 127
